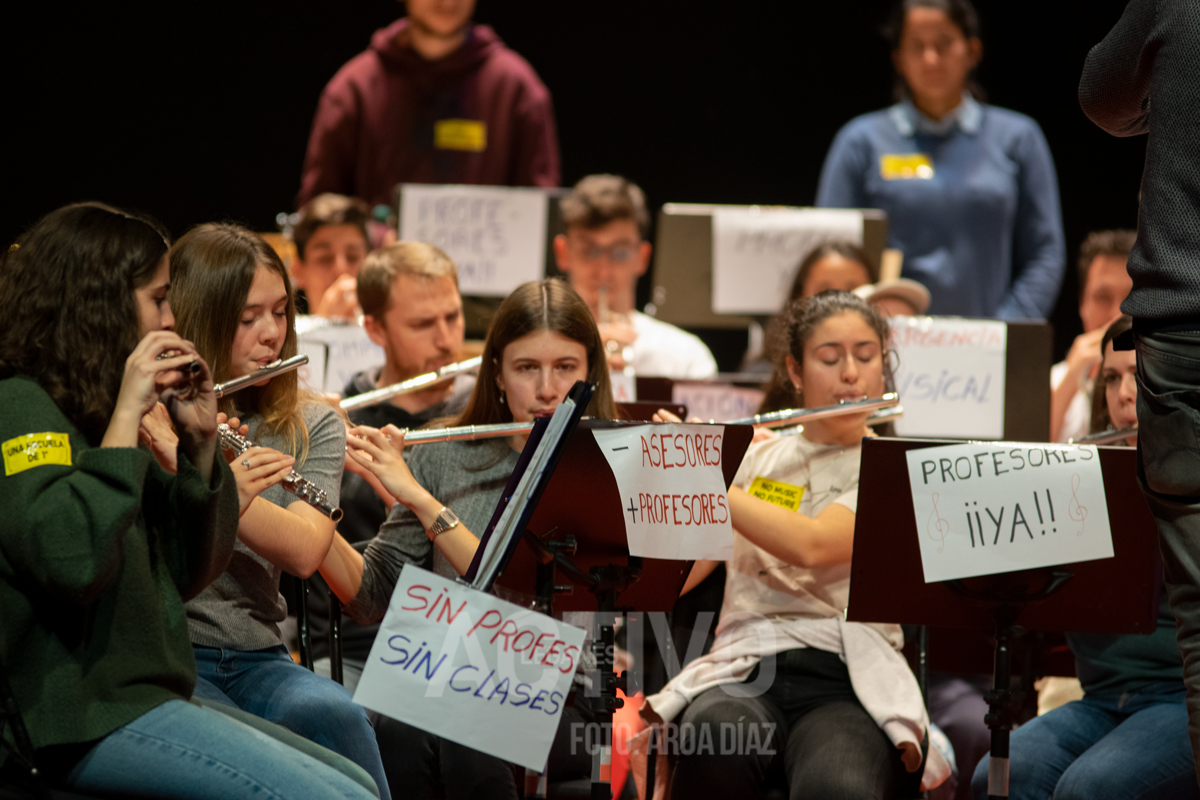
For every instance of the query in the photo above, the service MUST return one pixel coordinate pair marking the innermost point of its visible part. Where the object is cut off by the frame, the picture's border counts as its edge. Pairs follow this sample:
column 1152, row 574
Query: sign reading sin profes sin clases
column 672, row 488
column 471, row 668
column 989, row 507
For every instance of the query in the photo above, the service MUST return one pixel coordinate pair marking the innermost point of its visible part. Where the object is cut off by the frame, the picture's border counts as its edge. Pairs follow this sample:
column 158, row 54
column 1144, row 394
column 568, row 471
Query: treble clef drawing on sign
column 937, row 523
column 1077, row 511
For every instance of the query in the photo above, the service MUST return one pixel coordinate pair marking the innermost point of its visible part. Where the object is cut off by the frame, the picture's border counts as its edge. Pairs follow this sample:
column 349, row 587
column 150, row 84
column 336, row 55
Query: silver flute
column 1109, row 436
column 802, row 415
column 412, row 384
column 294, row 483
column 277, row 367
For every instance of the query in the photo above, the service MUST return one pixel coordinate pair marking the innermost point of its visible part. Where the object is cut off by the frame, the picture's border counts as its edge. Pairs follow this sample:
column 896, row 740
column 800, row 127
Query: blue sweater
column 980, row 225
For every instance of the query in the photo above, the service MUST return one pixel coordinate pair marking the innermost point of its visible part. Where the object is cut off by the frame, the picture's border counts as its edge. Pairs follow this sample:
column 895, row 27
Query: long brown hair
column 212, row 268
column 1101, row 421
column 800, row 320
column 546, row 305
column 67, row 302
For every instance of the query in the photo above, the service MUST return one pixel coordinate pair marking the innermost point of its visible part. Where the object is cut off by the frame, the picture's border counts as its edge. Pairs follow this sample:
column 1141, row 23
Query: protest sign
column 950, row 376
column 496, row 235
column 756, row 252
column 716, row 402
column 471, row 668
column 989, row 507
column 670, row 476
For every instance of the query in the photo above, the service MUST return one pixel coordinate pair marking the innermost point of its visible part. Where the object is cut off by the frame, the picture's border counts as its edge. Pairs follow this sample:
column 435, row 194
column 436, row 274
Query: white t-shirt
column 663, row 351
column 1078, row 420
column 758, row 581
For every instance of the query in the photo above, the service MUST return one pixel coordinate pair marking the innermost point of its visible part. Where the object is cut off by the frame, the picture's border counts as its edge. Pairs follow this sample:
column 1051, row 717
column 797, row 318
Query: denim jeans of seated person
column 268, row 684
column 1131, row 746
column 1168, row 409
column 180, row 750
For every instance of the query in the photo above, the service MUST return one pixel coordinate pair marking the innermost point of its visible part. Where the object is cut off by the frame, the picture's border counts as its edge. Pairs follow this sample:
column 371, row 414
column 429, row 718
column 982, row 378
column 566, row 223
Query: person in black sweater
column 1145, row 78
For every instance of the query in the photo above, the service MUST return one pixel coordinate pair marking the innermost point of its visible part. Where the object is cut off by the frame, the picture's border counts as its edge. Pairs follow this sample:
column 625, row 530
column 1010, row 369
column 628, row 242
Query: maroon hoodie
column 382, row 120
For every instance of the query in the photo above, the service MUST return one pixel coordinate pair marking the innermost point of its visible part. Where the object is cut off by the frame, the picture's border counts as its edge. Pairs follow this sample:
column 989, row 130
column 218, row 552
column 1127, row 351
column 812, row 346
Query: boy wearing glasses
column 604, row 252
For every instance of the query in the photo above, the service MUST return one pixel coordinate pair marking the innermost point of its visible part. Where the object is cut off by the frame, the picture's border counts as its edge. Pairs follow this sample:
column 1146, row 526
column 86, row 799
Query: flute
column 887, row 409
column 294, row 482
column 1105, row 437
column 874, row 418
column 801, row 415
column 412, row 384
column 276, row 367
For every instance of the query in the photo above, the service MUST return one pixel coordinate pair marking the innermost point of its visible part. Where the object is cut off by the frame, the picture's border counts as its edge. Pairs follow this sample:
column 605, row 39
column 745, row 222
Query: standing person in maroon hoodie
column 434, row 99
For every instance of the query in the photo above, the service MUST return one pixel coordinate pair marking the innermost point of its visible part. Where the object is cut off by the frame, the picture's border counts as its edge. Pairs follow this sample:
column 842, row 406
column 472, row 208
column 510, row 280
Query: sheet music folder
column 580, row 498
column 887, row 582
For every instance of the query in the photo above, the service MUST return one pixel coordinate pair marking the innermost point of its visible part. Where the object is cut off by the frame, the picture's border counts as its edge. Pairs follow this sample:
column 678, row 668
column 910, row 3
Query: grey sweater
column 242, row 609
column 468, row 478
column 1145, row 78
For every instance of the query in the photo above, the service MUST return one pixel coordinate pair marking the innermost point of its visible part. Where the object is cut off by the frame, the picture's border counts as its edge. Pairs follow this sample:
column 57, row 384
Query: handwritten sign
column 471, row 668
column 670, row 479
column 718, row 402
column 950, row 376
column 756, row 252
column 986, row 508
column 348, row 350
column 496, row 235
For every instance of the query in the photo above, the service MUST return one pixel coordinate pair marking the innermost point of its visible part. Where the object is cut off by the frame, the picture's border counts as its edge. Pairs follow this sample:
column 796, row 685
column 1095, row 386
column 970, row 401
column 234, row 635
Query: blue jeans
column 268, row 684
column 180, row 750
column 1103, row 747
column 1168, row 406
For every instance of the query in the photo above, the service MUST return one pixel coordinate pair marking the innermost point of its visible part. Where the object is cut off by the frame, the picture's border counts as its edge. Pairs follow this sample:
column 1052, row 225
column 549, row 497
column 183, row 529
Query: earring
column 502, row 400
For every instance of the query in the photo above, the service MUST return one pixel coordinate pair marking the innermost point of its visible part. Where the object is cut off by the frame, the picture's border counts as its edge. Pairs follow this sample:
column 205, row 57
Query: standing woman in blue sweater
column 969, row 188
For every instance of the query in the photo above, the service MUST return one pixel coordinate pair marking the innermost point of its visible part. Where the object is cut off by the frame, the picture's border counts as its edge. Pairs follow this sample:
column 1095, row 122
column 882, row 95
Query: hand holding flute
column 380, row 452
column 256, row 469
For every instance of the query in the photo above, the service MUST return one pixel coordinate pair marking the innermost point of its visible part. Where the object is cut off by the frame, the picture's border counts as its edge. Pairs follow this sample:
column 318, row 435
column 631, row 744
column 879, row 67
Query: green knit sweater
column 99, row 548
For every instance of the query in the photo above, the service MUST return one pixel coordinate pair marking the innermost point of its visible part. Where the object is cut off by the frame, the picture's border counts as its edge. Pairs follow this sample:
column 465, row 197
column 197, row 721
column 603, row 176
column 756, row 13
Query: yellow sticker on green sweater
column 781, row 494
column 460, row 134
column 35, row 450
column 906, row 166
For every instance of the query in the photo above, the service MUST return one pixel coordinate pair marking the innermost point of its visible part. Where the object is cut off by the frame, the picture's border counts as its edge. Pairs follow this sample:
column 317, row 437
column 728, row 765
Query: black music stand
column 887, row 581
column 578, row 530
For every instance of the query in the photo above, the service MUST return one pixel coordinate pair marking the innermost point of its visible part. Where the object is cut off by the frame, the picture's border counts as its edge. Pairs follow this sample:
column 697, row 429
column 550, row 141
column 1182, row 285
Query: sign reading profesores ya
column 672, row 488
column 471, row 668
column 990, row 507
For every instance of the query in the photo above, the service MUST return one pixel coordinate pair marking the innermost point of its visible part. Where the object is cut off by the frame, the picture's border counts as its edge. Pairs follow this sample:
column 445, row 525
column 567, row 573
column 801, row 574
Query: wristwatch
column 446, row 519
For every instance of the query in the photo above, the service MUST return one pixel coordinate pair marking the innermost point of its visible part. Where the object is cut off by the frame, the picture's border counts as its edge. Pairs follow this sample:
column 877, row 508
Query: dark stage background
column 200, row 111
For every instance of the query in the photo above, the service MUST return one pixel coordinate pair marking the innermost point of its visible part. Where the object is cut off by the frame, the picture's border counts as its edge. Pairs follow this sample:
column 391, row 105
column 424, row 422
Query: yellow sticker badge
column 906, row 166
column 460, row 134
column 781, row 494
column 35, row 450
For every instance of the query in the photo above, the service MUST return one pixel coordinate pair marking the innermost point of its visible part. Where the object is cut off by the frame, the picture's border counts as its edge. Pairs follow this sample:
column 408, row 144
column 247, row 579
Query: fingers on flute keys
column 191, row 372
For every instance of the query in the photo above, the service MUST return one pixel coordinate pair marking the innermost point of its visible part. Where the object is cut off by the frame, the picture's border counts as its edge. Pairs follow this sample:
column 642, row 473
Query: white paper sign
column 312, row 374
column 348, row 350
column 471, row 668
column 985, row 508
column 717, row 402
column 756, row 252
column 671, row 483
column 496, row 235
column 950, row 376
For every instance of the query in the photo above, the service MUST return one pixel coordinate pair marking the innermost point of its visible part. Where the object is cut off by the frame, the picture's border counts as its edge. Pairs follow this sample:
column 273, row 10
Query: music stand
column 578, row 530
column 887, row 581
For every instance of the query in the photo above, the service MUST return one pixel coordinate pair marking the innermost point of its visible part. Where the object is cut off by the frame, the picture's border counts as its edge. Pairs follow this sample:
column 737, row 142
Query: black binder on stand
column 573, row 556
column 1113, row 595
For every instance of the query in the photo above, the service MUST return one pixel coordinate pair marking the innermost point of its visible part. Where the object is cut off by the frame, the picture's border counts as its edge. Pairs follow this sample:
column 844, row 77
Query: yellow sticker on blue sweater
column 35, row 450
column 906, row 166
column 780, row 494
column 460, row 134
